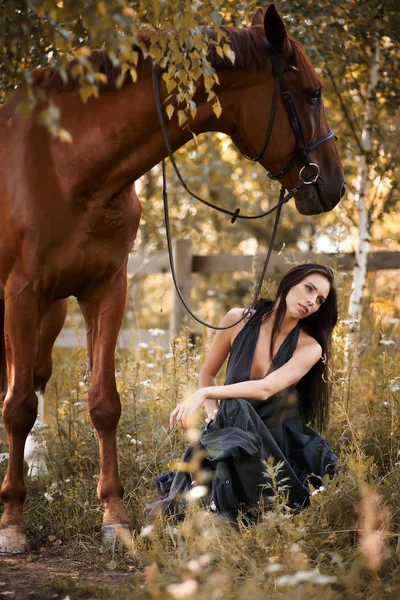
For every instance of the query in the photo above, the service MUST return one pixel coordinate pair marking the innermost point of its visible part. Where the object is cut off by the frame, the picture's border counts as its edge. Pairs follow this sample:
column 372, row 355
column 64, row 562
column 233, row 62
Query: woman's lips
column 304, row 308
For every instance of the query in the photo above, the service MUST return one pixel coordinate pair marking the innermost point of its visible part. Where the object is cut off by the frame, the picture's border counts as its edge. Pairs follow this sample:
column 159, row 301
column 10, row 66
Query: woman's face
column 306, row 297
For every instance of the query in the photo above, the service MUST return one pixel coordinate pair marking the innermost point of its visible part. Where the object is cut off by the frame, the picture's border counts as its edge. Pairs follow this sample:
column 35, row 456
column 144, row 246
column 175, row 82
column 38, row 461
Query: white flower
column 197, row 492
column 48, row 497
column 387, row 342
column 394, row 321
column 133, row 441
column 168, row 355
column 145, row 383
column 150, row 365
column 350, row 322
column 273, row 568
column 146, row 531
column 4, row 456
column 196, row 566
column 318, row 491
column 301, row 576
column 156, row 332
column 67, row 480
column 180, row 591
column 81, row 384
column 197, row 357
column 143, row 345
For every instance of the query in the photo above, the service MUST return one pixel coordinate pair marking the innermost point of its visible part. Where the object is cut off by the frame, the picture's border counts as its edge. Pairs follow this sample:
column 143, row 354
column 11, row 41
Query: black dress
column 245, row 434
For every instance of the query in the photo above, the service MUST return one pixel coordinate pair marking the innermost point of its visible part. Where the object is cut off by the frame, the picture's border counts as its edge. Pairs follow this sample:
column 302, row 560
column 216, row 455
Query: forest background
column 353, row 45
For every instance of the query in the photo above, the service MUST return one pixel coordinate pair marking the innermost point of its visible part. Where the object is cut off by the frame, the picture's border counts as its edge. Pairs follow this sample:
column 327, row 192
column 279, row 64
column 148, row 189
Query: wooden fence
column 187, row 263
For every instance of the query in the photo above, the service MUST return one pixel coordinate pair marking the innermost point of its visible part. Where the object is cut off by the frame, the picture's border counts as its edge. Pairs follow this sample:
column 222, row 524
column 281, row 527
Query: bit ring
column 315, row 177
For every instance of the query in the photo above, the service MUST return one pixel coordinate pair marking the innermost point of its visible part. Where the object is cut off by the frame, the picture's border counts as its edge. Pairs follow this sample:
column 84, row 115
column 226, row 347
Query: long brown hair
column 314, row 388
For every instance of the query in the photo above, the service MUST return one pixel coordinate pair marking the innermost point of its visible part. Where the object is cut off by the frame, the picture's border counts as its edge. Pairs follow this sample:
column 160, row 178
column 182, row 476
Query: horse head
column 294, row 133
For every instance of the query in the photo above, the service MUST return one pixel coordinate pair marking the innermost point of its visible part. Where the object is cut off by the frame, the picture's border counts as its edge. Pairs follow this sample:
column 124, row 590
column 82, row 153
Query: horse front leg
column 103, row 309
column 20, row 406
column 50, row 326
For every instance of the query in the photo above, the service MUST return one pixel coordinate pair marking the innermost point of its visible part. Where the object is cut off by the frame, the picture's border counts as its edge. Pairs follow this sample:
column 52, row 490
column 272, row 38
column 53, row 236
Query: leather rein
column 301, row 156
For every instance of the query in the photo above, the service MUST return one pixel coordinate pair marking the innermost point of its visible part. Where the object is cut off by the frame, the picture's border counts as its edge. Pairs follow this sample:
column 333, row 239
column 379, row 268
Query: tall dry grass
column 342, row 546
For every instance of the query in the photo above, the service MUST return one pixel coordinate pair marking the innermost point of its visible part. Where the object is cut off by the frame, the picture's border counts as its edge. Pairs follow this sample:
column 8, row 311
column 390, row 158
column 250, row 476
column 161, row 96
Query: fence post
column 183, row 258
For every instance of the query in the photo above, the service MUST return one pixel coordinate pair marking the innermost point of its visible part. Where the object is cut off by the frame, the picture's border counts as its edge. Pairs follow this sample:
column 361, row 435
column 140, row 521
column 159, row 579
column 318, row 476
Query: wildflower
column 133, row 441
column 48, row 497
column 81, row 384
column 373, row 525
column 302, row 576
column 145, row 383
column 197, row 357
column 196, row 566
column 394, row 384
column 186, row 589
column 318, row 490
column 350, row 322
column 143, row 345
column 168, row 355
column 150, row 365
column 197, row 492
column 156, row 332
column 387, row 342
column 274, row 568
column 4, row 456
column 146, row 531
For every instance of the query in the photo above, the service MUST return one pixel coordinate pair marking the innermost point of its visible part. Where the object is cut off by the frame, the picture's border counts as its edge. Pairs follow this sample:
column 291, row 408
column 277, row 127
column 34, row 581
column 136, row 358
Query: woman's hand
column 182, row 414
column 211, row 416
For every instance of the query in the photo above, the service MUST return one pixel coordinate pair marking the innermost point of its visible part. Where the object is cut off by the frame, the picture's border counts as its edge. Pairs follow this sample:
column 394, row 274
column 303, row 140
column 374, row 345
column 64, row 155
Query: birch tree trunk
column 364, row 223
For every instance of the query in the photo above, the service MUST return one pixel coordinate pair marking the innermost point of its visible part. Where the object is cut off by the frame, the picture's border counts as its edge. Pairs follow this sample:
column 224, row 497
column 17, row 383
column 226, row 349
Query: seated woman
column 276, row 382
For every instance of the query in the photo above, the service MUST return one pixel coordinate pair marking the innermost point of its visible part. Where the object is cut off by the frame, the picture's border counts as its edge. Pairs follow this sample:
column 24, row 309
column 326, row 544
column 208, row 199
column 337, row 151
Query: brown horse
column 69, row 216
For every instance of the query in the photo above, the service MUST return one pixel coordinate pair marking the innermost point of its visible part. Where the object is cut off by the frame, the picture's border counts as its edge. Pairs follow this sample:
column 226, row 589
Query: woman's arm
column 290, row 373
column 215, row 358
column 304, row 357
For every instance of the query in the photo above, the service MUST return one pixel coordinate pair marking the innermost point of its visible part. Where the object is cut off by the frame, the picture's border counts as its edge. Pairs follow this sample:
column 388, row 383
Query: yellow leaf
column 87, row 91
column 171, row 84
column 182, row 117
column 170, row 111
column 231, row 55
column 84, row 51
column 220, row 52
column 217, row 109
column 101, row 77
column 101, row 8
column 133, row 73
column 65, row 136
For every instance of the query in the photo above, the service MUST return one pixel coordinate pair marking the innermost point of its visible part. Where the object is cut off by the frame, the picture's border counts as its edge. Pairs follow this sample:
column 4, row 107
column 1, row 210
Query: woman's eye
column 308, row 288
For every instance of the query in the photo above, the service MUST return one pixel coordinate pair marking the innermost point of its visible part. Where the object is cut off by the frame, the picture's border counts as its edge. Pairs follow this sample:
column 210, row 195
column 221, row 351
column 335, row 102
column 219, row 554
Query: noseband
column 301, row 156
column 302, row 149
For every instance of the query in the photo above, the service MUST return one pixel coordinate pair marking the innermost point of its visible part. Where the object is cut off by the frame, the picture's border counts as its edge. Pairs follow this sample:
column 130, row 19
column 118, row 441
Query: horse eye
column 315, row 95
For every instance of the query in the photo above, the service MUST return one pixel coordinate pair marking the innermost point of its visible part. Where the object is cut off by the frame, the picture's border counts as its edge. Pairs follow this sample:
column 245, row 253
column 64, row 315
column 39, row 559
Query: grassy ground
column 342, row 546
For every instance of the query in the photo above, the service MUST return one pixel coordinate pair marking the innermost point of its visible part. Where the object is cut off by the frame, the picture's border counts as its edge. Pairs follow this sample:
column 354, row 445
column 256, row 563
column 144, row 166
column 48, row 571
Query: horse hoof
column 118, row 535
column 13, row 540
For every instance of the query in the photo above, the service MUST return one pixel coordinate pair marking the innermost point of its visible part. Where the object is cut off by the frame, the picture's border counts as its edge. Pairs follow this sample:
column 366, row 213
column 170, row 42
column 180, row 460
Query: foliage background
column 327, row 539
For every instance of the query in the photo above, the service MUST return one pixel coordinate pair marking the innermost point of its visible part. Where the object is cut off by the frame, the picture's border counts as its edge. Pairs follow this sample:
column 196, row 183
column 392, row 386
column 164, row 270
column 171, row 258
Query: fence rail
column 187, row 263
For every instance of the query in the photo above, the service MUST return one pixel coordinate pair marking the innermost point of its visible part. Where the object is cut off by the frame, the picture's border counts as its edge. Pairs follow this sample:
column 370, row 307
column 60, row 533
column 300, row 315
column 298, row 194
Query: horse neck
column 118, row 137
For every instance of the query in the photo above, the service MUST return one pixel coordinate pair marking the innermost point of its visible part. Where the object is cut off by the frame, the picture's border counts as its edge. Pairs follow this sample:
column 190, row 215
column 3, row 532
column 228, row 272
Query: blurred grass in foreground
column 342, row 546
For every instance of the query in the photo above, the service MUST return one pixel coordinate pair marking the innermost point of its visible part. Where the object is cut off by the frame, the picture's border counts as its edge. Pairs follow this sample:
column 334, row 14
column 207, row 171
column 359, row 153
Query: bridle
column 302, row 148
column 301, row 156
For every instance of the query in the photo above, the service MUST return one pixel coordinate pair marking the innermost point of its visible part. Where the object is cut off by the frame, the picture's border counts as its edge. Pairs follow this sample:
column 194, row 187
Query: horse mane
column 248, row 45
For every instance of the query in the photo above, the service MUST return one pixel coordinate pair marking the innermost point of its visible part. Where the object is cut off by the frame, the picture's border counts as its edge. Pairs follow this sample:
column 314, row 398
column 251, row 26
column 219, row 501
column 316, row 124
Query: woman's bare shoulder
column 235, row 314
column 307, row 341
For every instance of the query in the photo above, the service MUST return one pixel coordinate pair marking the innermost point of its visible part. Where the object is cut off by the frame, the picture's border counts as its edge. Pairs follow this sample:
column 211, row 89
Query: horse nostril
column 343, row 190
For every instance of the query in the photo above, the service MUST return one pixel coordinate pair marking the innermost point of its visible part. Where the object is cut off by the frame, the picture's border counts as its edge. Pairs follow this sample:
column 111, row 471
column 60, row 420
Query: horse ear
column 275, row 31
column 258, row 17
